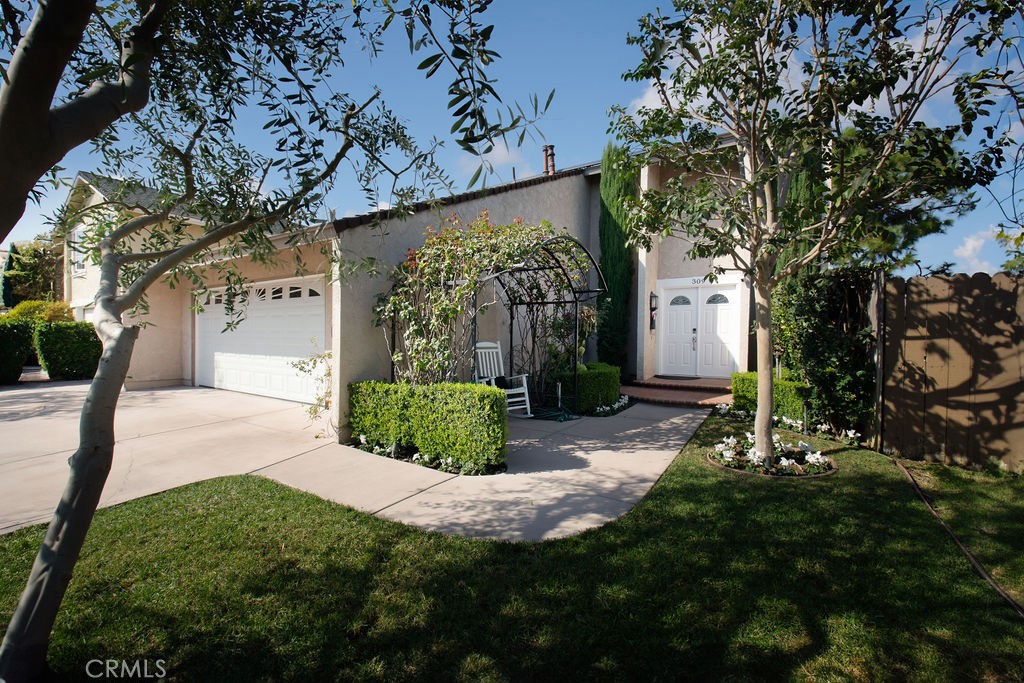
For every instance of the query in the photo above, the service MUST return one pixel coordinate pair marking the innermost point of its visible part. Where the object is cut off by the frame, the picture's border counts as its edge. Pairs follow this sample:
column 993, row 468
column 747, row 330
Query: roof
column 129, row 192
column 342, row 224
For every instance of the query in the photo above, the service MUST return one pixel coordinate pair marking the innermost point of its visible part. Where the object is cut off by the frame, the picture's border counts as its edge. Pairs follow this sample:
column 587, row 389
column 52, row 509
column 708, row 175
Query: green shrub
column 822, row 325
column 68, row 350
column 379, row 411
column 42, row 311
column 600, row 384
column 15, row 347
column 618, row 182
column 462, row 427
column 789, row 395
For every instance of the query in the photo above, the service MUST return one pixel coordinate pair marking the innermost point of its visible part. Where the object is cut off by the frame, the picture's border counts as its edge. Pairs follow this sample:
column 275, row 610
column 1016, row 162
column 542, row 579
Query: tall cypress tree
column 617, row 183
column 6, row 286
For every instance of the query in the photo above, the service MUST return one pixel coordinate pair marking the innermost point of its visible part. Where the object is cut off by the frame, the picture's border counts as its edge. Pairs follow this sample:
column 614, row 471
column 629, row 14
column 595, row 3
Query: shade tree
column 194, row 193
column 752, row 97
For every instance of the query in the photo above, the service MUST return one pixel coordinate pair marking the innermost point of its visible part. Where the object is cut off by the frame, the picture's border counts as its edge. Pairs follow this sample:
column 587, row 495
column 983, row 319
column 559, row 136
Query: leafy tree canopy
column 221, row 66
column 757, row 95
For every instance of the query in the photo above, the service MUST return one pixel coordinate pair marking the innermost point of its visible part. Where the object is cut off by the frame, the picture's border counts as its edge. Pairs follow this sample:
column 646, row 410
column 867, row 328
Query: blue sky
column 577, row 48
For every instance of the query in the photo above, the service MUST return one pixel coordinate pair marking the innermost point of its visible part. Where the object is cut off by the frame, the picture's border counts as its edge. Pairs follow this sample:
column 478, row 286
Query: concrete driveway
column 562, row 478
column 165, row 438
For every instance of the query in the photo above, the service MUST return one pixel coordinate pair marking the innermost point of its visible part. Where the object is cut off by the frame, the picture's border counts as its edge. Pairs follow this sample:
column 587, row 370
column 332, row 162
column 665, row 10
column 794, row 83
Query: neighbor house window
column 75, row 254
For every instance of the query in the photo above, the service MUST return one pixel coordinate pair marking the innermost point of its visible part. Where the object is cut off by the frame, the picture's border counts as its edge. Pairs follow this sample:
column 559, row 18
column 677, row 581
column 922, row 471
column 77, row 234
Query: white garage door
column 284, row 323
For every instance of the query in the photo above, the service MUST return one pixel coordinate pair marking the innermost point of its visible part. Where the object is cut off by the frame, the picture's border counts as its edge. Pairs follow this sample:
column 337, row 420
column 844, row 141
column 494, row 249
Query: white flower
column 755, row 456
column 729, row 441
column 728, row 455
column 362, row 439
column 786, row 462
column 815, row 458
column 852, row 433
column 804, row 446
column 776, row 439
column 750, row 437
column 824, row 428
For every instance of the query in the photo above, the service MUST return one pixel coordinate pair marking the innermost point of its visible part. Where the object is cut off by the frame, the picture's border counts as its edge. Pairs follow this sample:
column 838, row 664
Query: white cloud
column 501, row 157
column 650, row 99
column 968, row 252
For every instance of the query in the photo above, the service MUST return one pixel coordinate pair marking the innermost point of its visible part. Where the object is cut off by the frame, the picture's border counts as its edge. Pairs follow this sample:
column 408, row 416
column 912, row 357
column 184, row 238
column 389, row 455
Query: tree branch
column 177, row 256
column 87, row 115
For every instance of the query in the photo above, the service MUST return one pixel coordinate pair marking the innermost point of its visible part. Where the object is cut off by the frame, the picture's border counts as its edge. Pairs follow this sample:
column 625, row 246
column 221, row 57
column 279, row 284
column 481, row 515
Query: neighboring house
column 700, row 328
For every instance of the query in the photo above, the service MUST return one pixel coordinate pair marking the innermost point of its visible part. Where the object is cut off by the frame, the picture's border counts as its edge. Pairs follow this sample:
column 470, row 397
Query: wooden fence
column 952, row 369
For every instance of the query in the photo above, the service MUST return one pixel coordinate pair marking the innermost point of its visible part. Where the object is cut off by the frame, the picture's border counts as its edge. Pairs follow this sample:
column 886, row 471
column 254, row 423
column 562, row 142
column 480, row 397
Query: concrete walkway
column 562, row 477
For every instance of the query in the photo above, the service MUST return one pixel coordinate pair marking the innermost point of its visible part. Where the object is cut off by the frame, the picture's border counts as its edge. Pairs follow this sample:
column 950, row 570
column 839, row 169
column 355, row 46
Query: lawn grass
column 986, row 510
column 713, row 576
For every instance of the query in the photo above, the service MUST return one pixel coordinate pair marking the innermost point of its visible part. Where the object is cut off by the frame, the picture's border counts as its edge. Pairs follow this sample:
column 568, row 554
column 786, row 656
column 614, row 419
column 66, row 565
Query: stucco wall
column 157, row 360
column 360, row 351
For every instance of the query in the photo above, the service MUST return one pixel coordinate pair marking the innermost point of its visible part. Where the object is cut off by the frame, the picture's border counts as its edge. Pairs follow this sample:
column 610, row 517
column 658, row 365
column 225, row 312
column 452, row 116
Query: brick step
column 677, row 397
column 712, row 385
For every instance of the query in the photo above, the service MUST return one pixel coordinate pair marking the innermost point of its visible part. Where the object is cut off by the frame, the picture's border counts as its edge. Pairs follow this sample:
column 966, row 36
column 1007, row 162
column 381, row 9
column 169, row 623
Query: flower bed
column 790, row 461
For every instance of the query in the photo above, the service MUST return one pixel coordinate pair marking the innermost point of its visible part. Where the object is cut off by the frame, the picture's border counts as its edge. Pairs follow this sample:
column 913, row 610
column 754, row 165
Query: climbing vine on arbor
column 428, row 315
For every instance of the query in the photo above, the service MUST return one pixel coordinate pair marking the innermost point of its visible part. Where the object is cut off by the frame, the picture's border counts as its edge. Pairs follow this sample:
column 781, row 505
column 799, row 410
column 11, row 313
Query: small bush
column 68, row 350
column 600, row 384
column 789, row 395
column 42, row 311
column 379, row 411
column 15, row 347
column 461, row 427
column 822, row 325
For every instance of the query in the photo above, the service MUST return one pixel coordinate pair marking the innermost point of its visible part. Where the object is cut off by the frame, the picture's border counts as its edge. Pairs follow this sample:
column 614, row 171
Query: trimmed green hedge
column 68, row 350
column 462, row 427
column 789, row 395
column 379, row 411
column 15, row 347
column 600, row 384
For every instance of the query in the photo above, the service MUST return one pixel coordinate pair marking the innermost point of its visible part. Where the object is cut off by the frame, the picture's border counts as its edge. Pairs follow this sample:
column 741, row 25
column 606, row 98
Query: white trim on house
column 76, row 257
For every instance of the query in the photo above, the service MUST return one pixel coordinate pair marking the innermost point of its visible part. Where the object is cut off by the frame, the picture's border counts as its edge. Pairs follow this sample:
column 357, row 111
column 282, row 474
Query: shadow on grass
column 712, row 576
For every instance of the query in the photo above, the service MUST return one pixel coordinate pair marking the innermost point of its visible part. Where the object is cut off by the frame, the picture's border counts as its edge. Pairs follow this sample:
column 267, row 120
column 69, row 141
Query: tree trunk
column 24, row 648
column 765, row 384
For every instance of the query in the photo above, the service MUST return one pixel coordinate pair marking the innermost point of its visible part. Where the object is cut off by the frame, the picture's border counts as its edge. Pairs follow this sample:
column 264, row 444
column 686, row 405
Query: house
column 683, row 324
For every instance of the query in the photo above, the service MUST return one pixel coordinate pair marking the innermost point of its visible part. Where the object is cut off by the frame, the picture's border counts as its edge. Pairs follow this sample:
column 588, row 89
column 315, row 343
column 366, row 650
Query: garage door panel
column 256, row 357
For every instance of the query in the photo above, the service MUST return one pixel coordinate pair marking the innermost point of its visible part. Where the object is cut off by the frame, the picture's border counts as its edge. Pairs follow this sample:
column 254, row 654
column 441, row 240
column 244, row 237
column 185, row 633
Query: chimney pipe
column 549, row 159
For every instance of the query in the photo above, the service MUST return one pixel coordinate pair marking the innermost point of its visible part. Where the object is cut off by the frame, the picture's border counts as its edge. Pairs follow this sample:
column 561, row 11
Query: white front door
column 718, row 331
column 679, row 333
column 284, row 323
column 698, row 331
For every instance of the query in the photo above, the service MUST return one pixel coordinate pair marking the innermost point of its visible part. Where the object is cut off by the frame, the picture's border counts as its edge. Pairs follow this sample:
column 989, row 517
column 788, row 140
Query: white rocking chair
column 490, row 370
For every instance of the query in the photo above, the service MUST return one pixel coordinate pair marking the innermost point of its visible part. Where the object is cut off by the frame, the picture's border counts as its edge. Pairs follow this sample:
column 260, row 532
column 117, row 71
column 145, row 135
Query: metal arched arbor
column 555, row 276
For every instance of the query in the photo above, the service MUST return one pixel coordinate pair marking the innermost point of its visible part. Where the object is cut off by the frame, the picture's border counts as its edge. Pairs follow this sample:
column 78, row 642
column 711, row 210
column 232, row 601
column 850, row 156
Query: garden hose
column 1014, row 605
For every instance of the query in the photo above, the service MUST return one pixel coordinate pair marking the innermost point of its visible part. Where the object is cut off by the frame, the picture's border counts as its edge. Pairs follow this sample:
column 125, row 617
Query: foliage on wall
column 617, row 182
